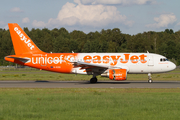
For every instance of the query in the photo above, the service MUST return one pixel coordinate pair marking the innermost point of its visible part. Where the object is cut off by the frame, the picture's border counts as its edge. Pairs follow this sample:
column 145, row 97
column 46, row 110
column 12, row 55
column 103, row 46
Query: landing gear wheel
column 93, row 80
column 149, row 78
column 150, row 81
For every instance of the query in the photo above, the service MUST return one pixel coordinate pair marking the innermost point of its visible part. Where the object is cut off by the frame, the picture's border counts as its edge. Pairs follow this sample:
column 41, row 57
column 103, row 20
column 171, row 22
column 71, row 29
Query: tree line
column 166, row 43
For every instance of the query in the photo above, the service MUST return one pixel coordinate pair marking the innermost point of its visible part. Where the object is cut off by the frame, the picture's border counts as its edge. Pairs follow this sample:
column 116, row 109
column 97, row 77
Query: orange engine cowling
column 116, row 74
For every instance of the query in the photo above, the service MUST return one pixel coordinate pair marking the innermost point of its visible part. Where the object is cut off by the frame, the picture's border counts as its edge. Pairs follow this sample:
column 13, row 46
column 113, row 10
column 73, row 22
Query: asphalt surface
column 86, row 84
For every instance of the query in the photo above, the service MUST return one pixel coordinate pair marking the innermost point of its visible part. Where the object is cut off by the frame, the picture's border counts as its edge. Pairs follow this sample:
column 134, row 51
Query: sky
column 130, row 16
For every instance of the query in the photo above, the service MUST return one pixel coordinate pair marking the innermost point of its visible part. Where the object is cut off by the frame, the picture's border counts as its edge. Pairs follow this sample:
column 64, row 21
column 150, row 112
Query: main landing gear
column 93, row 80
column 149, row 78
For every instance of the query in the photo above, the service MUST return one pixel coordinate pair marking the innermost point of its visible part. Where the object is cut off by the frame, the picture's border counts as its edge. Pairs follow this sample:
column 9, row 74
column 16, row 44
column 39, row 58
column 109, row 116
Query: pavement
column 87, row 84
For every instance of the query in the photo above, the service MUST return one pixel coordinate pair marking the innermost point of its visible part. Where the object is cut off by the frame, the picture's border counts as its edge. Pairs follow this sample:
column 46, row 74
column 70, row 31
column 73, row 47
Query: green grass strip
column 89, row 104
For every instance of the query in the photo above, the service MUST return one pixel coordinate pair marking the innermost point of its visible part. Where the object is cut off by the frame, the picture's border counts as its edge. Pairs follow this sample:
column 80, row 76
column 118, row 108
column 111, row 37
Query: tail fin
column 21, row 42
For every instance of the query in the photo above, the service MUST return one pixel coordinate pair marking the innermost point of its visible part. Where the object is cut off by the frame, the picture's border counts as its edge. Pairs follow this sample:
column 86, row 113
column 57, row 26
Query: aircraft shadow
column 111, row 82
column 83, row 82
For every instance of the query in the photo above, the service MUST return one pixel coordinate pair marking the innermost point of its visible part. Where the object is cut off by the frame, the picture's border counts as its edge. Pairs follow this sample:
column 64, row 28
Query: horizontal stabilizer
column 24, row 60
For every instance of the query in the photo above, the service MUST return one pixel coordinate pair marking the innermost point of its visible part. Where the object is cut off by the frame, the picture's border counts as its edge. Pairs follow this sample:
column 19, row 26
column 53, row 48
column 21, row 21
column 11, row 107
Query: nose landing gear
column 149, row 78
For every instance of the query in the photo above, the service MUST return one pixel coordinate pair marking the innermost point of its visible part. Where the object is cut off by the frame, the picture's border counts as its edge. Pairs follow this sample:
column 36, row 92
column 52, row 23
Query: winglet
column 21, row 41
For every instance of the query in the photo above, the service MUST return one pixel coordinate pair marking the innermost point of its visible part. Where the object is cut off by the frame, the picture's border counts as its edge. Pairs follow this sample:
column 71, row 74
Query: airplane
column 115, row 66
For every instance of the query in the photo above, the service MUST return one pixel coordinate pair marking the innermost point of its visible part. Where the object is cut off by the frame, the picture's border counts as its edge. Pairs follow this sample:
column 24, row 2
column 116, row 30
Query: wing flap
column 85, row 65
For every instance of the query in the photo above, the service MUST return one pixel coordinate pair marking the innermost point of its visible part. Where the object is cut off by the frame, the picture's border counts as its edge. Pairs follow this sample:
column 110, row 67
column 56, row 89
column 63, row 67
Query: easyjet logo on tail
column 23, row 38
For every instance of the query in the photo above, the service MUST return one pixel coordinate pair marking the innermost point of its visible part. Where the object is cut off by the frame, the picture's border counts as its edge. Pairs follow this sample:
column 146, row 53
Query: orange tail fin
column 21, row 42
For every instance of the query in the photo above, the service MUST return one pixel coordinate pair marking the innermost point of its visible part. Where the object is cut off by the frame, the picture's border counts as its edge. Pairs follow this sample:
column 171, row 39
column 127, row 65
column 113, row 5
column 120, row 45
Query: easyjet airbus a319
column 115, row 66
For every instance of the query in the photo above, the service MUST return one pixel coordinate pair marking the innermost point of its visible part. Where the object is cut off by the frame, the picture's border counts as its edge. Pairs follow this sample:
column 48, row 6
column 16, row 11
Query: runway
column 86, row 84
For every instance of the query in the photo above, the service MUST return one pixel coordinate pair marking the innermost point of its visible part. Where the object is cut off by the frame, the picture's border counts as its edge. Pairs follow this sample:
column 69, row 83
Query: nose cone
column 172, row 66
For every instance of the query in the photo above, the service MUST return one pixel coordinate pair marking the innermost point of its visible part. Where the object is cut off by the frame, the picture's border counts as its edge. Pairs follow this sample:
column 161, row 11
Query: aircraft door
column 150, row 60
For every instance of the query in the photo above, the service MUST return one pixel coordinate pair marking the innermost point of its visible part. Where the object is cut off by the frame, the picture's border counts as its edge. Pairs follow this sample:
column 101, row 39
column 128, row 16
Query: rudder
column 21, row 41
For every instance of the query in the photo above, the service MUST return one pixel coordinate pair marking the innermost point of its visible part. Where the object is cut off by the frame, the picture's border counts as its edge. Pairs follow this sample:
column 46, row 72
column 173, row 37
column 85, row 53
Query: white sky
column 130, row 16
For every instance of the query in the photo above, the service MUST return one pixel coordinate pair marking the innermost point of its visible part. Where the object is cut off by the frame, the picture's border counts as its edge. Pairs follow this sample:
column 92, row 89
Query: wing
column 91, row 67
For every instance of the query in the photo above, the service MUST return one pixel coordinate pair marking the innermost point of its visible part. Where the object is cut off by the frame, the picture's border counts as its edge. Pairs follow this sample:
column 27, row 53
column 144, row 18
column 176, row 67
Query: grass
column 89, row 103
column 37, row 75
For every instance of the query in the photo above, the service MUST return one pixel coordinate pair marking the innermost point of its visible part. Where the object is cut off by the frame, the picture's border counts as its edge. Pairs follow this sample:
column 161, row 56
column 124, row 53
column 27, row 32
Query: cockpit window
column 163, row 59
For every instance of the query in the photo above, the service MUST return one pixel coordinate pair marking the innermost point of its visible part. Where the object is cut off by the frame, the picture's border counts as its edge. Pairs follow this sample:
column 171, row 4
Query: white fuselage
column 134, row 63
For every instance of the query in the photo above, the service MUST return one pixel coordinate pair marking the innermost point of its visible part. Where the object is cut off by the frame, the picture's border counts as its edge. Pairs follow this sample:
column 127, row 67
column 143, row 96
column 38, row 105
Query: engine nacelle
column 115, row 74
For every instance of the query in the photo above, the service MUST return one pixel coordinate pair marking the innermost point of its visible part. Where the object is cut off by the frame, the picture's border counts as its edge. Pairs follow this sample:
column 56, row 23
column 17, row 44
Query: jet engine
column 115, row 74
